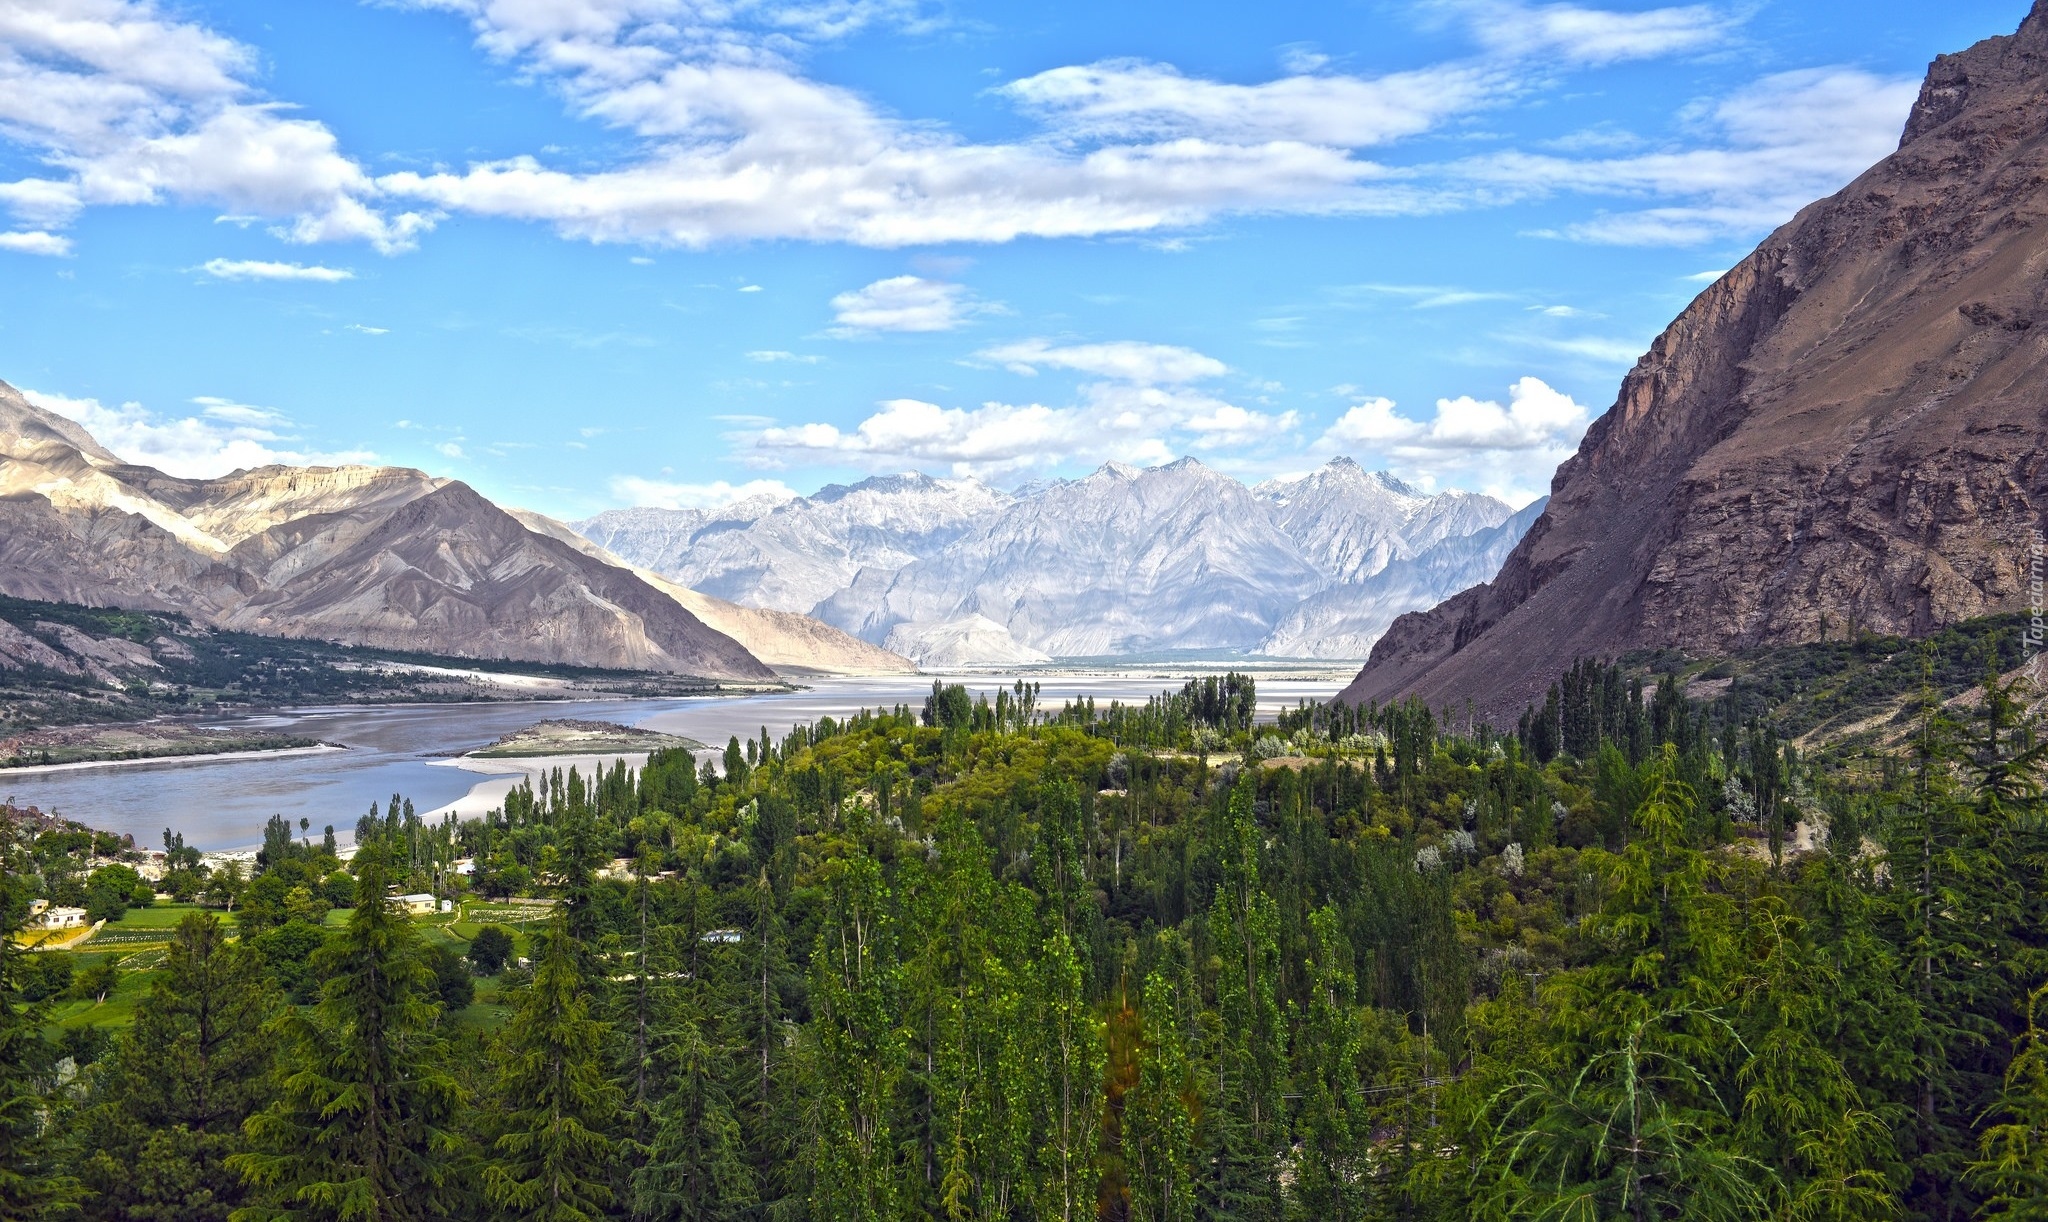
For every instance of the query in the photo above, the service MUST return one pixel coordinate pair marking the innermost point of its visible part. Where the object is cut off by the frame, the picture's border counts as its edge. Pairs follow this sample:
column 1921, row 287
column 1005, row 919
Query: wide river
column 404, row 749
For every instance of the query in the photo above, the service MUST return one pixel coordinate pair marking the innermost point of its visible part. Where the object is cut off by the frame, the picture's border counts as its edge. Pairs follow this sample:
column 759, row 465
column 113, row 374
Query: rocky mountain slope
column 783, row 639
column 384, row 557
column 1843, row 433
column 1123, row 561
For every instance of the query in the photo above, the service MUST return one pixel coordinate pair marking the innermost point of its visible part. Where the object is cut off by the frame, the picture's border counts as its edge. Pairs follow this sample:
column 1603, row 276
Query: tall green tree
column 696, row 1166
column 167, row 1109
column 556, row 1108
column 857, row 1060
column 29, row 1179
column 363, row 1125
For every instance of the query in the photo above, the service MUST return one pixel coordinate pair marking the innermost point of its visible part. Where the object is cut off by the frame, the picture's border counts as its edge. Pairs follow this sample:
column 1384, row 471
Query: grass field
column 139, row 941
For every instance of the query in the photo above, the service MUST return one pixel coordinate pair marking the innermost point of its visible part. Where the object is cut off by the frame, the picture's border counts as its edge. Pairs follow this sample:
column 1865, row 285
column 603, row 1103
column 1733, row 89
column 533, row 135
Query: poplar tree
column 857, row 1058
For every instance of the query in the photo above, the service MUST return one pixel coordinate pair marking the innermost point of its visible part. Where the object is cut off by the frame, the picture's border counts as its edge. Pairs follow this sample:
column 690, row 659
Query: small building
column 57, row 918
column 420, row 904
column 721, row 937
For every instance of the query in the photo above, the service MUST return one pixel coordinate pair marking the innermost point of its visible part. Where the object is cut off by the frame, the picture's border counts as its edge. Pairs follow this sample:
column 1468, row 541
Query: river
column 223, row 804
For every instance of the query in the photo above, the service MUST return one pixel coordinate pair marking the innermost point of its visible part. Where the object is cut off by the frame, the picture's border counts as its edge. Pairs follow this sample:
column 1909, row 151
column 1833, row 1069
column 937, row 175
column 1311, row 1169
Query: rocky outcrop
column 1845, row 431
column 379, row 556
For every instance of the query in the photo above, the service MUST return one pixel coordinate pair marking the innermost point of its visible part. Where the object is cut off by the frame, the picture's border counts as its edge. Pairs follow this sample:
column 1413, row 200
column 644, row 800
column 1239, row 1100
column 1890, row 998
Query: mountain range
column 1844, row 433
column 380, row 556
column 1120, row 562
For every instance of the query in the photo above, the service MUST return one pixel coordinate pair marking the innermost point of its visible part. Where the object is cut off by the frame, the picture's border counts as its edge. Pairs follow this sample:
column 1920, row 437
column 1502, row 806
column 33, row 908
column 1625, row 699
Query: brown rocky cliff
column 1846, row 430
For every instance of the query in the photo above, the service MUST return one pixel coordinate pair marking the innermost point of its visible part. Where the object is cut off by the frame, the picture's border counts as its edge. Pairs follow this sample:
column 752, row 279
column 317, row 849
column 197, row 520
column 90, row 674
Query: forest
column 1637, row 957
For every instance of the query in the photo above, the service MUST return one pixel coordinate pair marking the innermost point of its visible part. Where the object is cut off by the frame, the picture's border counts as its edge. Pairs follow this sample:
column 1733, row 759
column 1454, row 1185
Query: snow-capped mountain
column 793, row 555
column 1122, row 561
column 1344, row 620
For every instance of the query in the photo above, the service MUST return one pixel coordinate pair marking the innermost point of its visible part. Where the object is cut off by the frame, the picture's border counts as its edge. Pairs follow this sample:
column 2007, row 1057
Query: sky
column 592, row 253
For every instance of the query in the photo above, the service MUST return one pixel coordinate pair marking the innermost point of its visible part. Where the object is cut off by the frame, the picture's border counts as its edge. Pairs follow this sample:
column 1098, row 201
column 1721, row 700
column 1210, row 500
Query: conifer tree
column 556, row 1108
column 2012, row 1164
column 363, row 1123
column 29, row 1180
column 170, row 1101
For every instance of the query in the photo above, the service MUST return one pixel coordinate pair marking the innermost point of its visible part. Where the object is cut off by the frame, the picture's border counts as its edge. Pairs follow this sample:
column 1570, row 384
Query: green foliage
column 556, row 1108
column 166, row 1109
column 1638, row 960
column 361, row 1127
column 490, row 950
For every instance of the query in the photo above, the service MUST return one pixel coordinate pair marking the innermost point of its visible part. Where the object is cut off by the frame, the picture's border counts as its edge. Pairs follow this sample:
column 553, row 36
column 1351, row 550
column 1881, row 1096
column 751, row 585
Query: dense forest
column 1638, row 957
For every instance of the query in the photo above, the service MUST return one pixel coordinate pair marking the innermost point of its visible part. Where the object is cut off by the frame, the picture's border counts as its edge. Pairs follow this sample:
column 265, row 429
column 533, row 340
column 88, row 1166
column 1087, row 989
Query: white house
column 418, row 904
column 47, row 917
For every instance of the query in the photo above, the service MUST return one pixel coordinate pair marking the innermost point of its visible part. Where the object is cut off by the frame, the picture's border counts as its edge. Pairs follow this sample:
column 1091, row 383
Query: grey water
column 223, row 804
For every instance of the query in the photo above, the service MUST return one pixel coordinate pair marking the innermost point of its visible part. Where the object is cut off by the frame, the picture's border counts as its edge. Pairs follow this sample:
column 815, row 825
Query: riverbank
column 171, row 757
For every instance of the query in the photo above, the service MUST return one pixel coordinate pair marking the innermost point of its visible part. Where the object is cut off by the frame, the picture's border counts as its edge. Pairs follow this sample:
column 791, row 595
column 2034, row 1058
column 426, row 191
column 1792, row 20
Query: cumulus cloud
column 258, row 269
column 1510, row 450
column 902, row 303
column 664, row 494
column 126, row 104
column 223, row 436
column 1145, row 409
column 35, row 242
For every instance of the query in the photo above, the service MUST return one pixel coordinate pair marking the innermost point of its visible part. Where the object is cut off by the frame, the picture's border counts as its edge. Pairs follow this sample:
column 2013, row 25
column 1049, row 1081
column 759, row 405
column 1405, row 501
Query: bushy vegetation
column 1636, row 959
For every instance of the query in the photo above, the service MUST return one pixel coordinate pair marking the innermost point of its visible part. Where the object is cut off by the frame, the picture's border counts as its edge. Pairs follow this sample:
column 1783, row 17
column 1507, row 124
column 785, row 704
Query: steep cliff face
column 1848, row 429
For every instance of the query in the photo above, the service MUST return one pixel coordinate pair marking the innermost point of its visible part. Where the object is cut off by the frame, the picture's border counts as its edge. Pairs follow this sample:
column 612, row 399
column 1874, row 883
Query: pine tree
column 554, row 1152
column 362, row 1127
column 29, row 1182
column 2012, row 1167
column 696, row 1159
column 169, row 1104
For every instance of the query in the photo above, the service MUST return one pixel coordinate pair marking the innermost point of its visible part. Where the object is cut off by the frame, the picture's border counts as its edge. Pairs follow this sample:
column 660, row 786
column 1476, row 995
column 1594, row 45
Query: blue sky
column 586, row 253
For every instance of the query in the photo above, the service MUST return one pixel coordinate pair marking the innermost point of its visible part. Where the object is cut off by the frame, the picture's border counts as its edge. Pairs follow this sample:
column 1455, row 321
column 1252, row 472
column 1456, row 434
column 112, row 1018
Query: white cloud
column 224, row 436
column 35, row 242
column 902, row 303
column 770, row 355
column 1707, row 277
column 1602, row 349
column 1508, row 450
column 1583, row 35
column 128, row 105
column 1782, row 142
column 1430, row 296
column 1125, row 360
column 1124, row 99
column 634, row 490
column 360, row 329
column 257, row 269
column 1145, row 410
